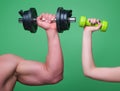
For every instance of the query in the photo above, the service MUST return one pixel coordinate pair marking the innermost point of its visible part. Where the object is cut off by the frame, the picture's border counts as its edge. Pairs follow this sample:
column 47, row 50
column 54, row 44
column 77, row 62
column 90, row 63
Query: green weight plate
column 82, row 21
column 104, row 26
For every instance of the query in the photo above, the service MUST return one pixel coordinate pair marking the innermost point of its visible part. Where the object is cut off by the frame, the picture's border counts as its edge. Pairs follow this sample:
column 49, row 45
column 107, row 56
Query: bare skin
column 14, row 68
column 89, row 68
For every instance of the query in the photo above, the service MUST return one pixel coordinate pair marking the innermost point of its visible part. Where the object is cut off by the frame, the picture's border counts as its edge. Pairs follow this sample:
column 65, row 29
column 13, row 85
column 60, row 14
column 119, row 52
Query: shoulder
column 10, row 58
column 10, row 61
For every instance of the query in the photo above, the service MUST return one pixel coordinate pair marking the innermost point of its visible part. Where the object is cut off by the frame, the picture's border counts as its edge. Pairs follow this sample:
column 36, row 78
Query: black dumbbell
column 63, row 19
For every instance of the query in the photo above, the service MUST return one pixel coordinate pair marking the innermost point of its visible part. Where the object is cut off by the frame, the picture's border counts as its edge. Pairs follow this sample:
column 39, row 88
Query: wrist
column 51, row 33
column 87, row 34
column 87, row 31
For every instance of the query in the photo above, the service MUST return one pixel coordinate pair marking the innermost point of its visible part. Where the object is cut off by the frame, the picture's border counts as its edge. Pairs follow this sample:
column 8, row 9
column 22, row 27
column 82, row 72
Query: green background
column 106, row 46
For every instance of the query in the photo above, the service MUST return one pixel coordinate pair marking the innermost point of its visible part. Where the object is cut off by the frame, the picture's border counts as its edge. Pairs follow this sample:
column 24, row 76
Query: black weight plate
column 62, row 21
column 33, row 23
column 58, row 22
column 27, row 19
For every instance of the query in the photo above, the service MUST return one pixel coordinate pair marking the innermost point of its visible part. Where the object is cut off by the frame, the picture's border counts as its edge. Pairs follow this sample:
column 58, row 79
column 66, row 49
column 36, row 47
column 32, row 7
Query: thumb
column 39, row 21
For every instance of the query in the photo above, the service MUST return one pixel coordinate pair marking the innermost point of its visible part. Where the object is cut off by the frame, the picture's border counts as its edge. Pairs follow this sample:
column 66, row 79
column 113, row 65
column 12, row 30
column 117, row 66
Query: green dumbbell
column 84, row 22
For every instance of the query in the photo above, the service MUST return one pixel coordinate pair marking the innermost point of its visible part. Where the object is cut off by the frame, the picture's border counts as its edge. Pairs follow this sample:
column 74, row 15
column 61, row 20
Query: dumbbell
column 84, row 22
column 63, row 19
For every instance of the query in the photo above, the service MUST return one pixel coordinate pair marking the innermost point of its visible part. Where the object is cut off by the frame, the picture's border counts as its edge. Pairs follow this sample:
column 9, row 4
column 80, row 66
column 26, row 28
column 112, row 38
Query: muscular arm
column 50, row 72
column 89, row 68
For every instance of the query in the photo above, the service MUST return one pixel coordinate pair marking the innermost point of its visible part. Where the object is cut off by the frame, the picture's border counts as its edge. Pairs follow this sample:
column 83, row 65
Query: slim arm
column 89, row 67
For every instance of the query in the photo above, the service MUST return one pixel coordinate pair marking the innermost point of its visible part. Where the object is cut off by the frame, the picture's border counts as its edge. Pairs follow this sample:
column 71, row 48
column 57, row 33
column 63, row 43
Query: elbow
column 55, row 79
column 48, row 79
column 89, row 74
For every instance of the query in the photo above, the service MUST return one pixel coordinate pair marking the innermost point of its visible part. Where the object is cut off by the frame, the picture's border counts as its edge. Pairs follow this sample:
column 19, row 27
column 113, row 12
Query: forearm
column 87, row 57
column 54, row 60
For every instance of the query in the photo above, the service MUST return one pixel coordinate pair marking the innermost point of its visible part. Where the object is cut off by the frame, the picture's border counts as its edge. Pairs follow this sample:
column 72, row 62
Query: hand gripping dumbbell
column 63, row 19
column 84, row 22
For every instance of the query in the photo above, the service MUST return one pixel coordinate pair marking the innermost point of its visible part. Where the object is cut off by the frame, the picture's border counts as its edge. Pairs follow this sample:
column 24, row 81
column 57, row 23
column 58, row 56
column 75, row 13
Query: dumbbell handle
column 20, row 20
column 71, row 19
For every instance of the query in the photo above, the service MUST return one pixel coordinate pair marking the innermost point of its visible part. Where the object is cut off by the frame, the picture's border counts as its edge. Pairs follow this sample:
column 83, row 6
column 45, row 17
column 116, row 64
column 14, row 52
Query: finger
column 39, row 22
column 89, row 19
column 98, row 21
column 98, row 27
column 41, row 16
column 48, row 17
column 92, row 20
column 52, row 18
column 40, row 19
column 44, row 17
